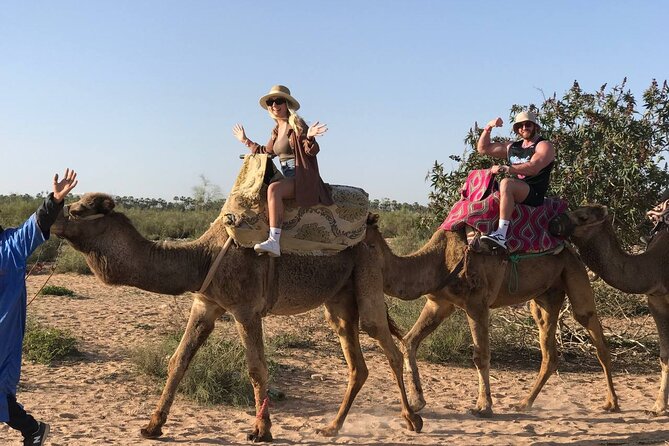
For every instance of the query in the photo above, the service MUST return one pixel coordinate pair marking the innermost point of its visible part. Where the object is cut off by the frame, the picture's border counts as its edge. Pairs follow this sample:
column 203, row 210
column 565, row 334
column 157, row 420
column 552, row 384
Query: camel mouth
column 561, row 226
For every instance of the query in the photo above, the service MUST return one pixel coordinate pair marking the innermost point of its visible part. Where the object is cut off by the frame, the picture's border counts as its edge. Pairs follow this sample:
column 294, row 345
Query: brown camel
column 348, row 284
column 482, row 284
column 590, row 228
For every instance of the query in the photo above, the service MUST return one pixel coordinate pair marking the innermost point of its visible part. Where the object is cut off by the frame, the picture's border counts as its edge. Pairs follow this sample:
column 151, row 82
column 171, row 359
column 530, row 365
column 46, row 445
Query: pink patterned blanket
column 479, row 208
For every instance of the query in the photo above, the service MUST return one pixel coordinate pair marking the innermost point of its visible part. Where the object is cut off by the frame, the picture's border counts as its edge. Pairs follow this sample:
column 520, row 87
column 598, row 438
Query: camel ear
column 372, row 219
column 104, row 204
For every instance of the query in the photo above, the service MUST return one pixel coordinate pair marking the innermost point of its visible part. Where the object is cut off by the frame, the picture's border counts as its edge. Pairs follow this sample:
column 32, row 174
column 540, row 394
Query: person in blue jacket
column 16, row 245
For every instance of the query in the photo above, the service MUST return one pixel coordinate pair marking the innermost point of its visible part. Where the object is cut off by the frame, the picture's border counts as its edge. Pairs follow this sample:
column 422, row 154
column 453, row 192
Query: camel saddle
column 479, row 209
column 314, row 230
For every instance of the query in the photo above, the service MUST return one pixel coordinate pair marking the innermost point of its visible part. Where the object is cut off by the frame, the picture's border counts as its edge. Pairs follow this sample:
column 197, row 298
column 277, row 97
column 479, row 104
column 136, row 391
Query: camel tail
column 395, row 330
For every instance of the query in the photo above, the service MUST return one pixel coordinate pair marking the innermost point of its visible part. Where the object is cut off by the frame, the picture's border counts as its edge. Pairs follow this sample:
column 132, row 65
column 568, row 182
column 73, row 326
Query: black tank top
column 518, row 155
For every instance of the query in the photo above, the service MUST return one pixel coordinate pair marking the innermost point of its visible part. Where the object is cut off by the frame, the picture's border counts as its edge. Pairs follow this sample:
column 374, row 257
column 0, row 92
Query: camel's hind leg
column 433, row 314
column 201, row 322
column 373, row 313
column 479, row 324
column 582, row 301
column 250, row 332
column 659, row 309
column 546, row 311
column 343, row 318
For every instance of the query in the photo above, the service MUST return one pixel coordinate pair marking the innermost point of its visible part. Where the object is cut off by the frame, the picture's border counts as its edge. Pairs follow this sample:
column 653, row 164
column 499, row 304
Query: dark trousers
column 19, row 419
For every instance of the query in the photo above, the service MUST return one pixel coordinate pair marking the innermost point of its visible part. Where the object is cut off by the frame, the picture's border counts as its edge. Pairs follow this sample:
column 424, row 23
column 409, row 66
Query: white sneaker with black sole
column 494, row 240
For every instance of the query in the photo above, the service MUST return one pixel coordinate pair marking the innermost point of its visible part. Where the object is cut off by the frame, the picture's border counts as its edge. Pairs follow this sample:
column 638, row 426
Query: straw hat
column 523, row 117
column 279, row 91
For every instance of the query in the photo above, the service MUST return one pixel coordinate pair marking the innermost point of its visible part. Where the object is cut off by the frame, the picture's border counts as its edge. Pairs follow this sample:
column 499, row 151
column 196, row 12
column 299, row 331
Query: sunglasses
column 277, row 101
column 526, row 124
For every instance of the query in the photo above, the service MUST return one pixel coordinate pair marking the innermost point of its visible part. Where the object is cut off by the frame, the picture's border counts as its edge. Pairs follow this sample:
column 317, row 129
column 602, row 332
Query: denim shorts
column 288, row 168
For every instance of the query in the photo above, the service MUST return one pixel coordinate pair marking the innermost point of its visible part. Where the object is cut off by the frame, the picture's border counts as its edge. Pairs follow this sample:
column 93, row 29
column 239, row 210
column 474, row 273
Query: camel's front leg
column 479, row 324
column 250, row 332
column 583, row 304
column 659, row 309
column 343, row 318
column 368, row 279
column 433, row 314
column 201, row 322
column 546, row 311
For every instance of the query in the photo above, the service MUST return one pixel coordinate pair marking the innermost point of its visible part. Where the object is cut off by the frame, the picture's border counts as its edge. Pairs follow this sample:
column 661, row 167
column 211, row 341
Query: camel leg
column 433, row 314
column 250, row 332
column 368, row 279
column 201, row 322
column 343, row 318
column 479, row 325
column 545, row 310
column 659, row 309
column 583, row 304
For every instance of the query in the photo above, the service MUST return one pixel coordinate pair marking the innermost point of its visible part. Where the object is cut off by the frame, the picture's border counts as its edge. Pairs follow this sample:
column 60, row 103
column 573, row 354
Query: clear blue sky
column 140, row 96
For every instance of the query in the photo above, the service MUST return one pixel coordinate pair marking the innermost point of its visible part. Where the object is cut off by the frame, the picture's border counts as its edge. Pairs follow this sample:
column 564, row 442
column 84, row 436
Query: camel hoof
column 329, row 431
column 611, row 407
column 481, row 413
column 147, row 432
column 522, row 407
column 414, row 422
column 656, row 412
column 256, row 438
column 417, row 403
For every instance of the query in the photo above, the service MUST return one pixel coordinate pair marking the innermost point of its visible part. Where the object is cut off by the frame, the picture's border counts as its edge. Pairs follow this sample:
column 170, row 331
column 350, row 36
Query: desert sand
column 102, row 399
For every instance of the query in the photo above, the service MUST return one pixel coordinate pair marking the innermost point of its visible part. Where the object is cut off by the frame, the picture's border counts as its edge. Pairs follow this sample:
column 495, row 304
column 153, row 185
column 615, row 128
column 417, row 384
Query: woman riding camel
column 296, row 146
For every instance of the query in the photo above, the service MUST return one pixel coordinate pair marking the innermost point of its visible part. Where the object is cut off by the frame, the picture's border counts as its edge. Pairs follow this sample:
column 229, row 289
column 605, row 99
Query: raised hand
column 497, row 122
column 238, row 131
column 63, row 187
column 316, row 129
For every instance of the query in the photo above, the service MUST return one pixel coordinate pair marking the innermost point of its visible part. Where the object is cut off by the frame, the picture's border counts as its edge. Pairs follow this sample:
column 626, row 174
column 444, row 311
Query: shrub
column 55, row 290
column 291, row 340
column 46, row 345
column 72, row 261
column 216, row 375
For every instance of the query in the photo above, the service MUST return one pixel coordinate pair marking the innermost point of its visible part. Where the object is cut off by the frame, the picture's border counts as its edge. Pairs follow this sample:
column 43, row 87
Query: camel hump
column 313, row 230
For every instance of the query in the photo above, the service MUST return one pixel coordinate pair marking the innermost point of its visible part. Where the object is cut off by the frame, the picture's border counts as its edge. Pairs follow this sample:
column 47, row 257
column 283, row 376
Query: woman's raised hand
column 316, row 129
column 238, row 131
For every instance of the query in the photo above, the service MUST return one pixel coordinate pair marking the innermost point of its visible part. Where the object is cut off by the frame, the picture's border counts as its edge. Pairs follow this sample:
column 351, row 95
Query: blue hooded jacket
column 16, row 245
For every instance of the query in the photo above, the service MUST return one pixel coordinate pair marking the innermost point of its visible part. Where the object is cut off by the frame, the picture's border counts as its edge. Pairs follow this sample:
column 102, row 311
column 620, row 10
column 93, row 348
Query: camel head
column 578, row 222
column 84, row 217
column 373, row 234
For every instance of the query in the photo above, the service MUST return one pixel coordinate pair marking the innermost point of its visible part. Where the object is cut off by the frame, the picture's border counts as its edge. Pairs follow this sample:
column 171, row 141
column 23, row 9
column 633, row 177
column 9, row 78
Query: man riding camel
column 530, row 160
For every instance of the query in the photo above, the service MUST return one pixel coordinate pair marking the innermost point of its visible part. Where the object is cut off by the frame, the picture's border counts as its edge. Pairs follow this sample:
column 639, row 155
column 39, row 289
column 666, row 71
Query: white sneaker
column 494, row 240
column 270, row 247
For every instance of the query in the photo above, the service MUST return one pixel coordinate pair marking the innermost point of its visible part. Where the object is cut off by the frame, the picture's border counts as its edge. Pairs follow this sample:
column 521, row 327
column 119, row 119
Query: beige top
column 282, row 147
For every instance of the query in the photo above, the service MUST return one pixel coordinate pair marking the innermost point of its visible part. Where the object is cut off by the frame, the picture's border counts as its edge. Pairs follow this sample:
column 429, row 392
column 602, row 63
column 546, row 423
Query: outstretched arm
column 311, row 147
column 53, row 203
column 486, row 147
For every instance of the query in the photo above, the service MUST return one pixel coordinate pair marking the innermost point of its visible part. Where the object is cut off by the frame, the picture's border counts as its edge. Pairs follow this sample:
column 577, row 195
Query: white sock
column 275, row 233
column 503, row 227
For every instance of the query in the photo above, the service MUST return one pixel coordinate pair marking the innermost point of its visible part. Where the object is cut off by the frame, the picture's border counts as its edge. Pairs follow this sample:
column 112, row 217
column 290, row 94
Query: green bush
column 72, row 261
column 46, row 345
column 291, row 340
column 55, row 290
column 216, row 375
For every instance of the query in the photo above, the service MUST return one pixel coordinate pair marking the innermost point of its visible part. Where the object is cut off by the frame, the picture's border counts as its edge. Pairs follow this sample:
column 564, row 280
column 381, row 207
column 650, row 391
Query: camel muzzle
column 561, row 226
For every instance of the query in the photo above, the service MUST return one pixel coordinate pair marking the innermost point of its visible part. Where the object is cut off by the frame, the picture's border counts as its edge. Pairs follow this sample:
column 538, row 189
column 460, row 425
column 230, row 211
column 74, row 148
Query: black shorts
column 534, row 197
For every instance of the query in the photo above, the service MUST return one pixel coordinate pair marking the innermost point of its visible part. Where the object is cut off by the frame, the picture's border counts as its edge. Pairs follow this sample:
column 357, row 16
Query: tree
column 608, row 152
column 206, row 193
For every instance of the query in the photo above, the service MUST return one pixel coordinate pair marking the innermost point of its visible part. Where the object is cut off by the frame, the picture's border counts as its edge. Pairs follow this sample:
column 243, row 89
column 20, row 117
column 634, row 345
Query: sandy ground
column 103, row 400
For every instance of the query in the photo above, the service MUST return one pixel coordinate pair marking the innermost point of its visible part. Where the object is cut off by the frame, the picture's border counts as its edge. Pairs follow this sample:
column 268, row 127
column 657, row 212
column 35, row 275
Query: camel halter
column 69, row 216
column 214, row 266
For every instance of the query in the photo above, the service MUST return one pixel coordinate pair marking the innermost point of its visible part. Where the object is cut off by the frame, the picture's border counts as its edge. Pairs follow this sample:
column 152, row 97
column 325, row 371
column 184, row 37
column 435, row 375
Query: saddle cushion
column 479, row 208
column 315, row 230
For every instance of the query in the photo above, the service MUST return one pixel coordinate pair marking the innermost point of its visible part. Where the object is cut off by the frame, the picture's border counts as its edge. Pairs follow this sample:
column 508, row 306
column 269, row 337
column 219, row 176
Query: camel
column 247, row 286
column 590, row 228
column 482, row 283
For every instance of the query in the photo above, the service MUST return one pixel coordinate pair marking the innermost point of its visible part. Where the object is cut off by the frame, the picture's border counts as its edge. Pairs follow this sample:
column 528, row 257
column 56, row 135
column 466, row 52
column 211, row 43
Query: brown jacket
column 309, row 187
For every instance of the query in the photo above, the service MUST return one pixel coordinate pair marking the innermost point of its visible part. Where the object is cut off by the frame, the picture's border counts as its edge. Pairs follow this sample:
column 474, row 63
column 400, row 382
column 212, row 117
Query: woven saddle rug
column 315, row 230
column 479, row 208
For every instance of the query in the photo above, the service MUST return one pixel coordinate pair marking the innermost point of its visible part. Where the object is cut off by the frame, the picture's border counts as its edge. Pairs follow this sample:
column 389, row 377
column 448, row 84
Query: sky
column 140, row 97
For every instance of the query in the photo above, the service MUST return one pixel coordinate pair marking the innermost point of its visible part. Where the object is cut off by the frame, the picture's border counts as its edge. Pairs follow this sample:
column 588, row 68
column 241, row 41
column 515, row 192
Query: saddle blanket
column 479, row 208
column 315, row 230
